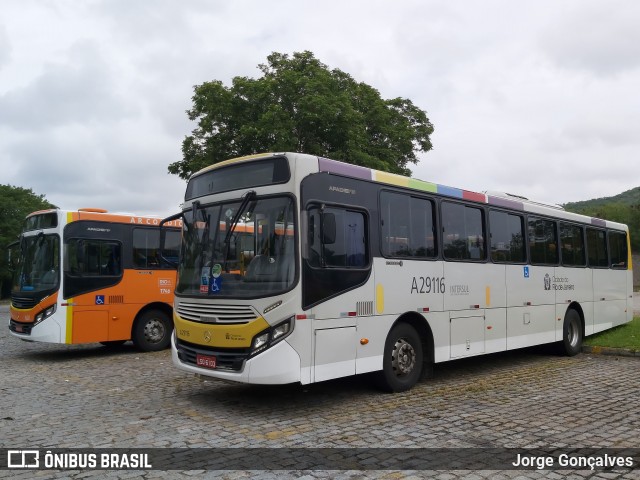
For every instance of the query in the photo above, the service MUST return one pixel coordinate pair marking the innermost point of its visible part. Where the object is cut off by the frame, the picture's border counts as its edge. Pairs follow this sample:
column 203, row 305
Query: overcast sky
column 534, row 98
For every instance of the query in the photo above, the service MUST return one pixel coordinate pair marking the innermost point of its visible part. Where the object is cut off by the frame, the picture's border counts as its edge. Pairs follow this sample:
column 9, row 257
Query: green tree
column 15, row 204
column 300, row 105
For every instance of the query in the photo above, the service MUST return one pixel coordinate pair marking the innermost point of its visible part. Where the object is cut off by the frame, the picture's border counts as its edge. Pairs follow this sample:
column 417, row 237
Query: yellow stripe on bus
column 379, row 298
column 69, row 324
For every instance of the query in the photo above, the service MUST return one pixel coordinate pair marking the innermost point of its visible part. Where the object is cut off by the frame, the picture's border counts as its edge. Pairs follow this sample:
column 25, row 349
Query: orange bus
column 90, row 276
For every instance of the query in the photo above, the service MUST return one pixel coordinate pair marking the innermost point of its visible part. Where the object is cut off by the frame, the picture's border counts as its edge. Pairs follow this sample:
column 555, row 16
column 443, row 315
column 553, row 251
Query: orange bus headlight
column 44, row 314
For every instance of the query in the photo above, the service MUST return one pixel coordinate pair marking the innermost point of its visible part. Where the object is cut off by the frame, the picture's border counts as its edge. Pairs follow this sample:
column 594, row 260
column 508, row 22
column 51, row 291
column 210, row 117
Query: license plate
column 18, row 328
column 206, row 361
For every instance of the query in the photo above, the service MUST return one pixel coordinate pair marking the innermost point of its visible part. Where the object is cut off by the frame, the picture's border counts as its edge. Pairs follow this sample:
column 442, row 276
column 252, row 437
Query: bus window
column 507, row 237
column 91, row 265
column 146, row 248
column 463, row 232
column 543, row 241
column 337, row 238
column 572, row 245
column 407, row 226
column 618, row 249
column 597, row 248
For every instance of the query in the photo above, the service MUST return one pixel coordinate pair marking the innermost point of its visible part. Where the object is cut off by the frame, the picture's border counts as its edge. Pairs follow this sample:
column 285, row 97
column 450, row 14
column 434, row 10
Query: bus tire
column 571, row 333
column 403, row 359
column 152, row 331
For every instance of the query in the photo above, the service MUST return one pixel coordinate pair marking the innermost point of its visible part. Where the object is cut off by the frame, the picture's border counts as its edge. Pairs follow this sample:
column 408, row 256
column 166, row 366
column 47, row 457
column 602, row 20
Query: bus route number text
column 427, row 285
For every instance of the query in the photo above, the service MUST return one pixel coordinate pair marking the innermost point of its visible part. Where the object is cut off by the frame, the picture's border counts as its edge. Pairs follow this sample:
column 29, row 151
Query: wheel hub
column 403, row 357
column 154, row 331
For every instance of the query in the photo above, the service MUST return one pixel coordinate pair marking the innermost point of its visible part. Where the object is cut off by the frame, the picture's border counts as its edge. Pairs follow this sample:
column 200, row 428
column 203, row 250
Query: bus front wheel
column 152, row 331
column 572, row 333
column 402, row 361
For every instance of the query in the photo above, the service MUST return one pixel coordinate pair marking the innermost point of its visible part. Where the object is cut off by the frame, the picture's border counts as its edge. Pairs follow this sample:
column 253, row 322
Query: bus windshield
column 38, row 268
column 244, row 248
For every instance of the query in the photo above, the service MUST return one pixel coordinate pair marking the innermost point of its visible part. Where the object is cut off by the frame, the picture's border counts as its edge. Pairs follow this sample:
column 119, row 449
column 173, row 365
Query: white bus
column 349, row 270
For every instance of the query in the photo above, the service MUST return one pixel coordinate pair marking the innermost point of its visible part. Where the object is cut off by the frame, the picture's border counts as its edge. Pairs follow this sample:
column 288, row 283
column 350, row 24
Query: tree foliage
column 300, row 105
column 15, row 204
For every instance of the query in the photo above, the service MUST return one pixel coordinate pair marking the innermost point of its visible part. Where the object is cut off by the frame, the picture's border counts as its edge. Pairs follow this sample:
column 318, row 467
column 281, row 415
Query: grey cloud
column 78, row 90
column 5, row 47
column 599, row 37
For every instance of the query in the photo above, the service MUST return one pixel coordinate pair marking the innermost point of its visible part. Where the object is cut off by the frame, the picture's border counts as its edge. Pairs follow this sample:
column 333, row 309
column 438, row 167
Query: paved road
column 55, row 396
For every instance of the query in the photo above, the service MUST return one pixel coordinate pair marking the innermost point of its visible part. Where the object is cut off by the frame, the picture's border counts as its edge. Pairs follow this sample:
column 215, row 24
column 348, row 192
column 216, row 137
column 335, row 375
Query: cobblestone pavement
column 56, row 396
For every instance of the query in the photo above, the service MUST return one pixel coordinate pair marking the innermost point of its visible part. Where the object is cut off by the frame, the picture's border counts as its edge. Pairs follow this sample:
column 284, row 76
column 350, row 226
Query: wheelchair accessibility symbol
column 99, row 299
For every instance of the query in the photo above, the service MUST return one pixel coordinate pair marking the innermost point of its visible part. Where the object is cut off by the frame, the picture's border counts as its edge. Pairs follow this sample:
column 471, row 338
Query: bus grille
column 229, row 359
column 23, row 302
column 207, row 313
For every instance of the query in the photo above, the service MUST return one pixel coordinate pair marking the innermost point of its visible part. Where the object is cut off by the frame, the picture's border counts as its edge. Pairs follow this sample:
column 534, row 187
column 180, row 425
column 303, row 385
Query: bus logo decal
column 547, row 282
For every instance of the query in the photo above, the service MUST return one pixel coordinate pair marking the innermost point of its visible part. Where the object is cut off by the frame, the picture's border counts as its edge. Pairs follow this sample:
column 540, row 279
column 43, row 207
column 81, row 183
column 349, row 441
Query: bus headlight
column 46, row 313
column 272, row 335
column 281, row 330
column 260, row 341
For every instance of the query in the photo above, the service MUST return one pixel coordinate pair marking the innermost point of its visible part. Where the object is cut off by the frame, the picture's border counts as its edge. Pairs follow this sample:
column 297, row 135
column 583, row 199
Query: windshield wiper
column 246, row 198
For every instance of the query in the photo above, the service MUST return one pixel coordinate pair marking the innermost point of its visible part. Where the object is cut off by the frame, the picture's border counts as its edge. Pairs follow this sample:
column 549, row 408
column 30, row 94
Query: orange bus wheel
column 152, row 331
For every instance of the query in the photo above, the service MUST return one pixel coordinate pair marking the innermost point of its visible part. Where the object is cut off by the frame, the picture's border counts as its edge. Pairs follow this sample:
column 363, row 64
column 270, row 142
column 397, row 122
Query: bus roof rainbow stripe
column 355, row 171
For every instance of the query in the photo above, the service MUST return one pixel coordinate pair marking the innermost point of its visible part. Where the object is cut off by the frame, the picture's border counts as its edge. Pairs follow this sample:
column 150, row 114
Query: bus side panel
column 573, row 285
column 335, row 335
column 472, row 290
column 610, row 304
column 408, row 285
column 90, row 326
column 629, row 310
column 530, row 306
column 120, row 305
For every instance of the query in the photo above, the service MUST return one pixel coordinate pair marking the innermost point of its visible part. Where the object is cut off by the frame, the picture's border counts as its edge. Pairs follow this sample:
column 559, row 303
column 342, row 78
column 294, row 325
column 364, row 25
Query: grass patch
column 624, row 336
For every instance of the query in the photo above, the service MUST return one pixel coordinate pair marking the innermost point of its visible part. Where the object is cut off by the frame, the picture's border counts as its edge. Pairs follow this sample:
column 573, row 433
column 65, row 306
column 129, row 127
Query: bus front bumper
column 47, row 331
column 278, row 365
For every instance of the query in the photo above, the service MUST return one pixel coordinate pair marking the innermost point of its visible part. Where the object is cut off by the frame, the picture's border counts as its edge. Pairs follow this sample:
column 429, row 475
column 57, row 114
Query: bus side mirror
column 328, row 228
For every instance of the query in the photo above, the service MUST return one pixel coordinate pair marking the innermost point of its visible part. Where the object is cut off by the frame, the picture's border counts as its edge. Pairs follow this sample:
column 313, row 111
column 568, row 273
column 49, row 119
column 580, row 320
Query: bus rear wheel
column 402, row 361
column 152, row 331
column 571, row 333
